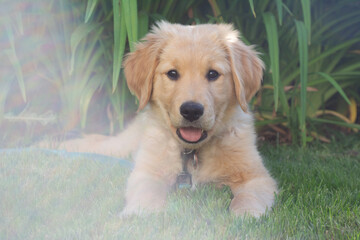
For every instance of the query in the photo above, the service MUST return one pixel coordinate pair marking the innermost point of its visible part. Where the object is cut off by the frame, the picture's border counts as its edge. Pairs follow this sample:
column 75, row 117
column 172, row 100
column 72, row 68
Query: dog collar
column 184, row 178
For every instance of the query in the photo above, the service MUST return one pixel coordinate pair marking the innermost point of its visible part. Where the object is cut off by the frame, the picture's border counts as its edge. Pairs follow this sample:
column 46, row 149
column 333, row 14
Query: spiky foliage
column 65, row 56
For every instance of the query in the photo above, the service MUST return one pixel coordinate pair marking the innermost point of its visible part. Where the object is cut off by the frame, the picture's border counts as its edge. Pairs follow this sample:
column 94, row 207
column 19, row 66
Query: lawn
column 54, row 196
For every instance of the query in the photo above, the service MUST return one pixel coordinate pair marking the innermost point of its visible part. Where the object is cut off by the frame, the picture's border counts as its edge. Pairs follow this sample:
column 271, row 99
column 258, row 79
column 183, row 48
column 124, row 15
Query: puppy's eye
column 212, row 75
column 173, row 75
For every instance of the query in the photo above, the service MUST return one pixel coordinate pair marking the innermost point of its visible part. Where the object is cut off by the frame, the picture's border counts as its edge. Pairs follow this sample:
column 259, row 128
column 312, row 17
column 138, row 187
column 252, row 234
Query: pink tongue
column 191, row 134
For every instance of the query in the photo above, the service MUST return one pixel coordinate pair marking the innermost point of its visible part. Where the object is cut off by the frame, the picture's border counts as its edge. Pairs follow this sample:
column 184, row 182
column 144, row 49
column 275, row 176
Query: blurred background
column 61, row 75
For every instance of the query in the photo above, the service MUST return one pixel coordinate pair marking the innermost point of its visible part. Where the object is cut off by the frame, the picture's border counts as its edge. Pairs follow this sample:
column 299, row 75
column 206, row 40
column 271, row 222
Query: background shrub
column 61, row 62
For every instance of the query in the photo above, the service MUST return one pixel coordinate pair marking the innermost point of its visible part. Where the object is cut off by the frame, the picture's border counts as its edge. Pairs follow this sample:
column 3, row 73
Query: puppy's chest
column 201, row 167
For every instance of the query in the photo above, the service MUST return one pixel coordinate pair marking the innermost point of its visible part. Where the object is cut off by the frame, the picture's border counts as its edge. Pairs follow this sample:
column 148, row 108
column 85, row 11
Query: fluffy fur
column 228, row 155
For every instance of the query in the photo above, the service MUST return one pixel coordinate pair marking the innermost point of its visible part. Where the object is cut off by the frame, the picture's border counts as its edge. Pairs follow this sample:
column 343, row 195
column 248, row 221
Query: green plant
column 71, row 52
column 62, row 54
column 309, row 49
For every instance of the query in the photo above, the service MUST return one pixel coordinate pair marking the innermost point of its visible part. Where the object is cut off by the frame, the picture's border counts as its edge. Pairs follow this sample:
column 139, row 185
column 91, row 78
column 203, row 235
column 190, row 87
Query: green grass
column 49, row 196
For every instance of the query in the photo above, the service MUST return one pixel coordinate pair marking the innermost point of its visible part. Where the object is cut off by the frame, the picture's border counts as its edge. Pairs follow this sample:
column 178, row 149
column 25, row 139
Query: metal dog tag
column 184, row 180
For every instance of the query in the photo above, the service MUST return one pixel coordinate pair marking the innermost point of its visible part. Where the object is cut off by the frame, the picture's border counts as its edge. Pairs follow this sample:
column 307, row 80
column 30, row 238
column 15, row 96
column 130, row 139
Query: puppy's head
column 194, row 76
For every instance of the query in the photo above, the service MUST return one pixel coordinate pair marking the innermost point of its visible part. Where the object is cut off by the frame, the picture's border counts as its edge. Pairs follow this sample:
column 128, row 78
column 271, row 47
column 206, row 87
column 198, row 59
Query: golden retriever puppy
column 193, row 84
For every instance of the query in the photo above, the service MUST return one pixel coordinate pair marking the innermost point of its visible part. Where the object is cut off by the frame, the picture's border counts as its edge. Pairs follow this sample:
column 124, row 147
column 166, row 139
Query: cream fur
column 228, row 155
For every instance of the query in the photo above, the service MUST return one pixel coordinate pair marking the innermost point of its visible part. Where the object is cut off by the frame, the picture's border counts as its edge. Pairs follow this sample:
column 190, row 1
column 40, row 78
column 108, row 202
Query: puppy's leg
column 120, row 146
column 157, row 164
column 254, row 196
column 238, row 164
column 145, row 193
column 149, row 183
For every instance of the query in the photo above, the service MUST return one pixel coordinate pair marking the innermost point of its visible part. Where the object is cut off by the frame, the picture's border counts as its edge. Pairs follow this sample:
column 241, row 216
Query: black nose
column 191, row 111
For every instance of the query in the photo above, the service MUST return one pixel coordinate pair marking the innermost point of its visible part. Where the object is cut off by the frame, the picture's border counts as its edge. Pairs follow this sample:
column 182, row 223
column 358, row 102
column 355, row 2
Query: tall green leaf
column 279, row 7
column 76, row 37
column 129, row 10
column 11, row 53
column 334, row 49
column 4, row 90
column 344, row 124
column 251, row 2
column 119, row 42
column 167, row 7
column 143, row 24
column 324, row 54
column 335, row 85
column 306, row 8
column 216, row 9
column 95, row 83
column 283, row 99
column 272, row 37
column 303, row 59
column 90, row 7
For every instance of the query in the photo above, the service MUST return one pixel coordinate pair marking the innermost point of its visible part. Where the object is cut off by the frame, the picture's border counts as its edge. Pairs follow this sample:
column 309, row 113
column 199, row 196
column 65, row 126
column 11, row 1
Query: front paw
column 251, row 204
column 129, row 212
column 142, row 207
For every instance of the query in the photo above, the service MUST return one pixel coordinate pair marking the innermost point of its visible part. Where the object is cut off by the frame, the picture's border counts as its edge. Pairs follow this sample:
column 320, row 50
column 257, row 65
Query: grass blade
column 322, row 56
column 272, row 37
column 95, row 83
column 335, row 49
column 167, row 7
column 79, row 34
column 123, row 97
column 216, row 10
column 303, row 55
column 143, row 24
column 279, row 7
column 334, row 25
column 335, row 85
column 134, row 20
column 11, row 53
column 4, row 90
column 344, row 124
column 283, row 99
column 90, row 7
column 119, row 42
column 306, row 8
column 91, row 57
column 129, row 10
column 251, row 2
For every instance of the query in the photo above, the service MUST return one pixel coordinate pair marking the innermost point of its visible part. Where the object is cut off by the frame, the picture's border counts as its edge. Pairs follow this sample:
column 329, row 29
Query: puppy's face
column 193, row 87
column 194, row 76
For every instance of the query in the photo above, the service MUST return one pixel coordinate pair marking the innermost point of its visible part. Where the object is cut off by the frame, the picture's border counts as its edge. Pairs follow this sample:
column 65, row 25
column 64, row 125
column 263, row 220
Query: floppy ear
column 247, row 69
column 140, row 68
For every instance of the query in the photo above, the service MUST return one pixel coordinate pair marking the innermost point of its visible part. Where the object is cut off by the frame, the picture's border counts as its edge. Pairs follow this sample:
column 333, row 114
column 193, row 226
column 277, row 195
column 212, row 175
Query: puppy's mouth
column 191, row 134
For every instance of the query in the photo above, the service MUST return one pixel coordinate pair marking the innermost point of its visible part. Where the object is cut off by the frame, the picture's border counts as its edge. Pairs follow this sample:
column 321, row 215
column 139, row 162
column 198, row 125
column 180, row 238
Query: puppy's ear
column 246, row 67
column 140, row 68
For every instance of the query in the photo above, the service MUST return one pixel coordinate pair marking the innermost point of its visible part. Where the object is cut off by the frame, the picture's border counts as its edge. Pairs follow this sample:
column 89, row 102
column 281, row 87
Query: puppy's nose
column 191, row 110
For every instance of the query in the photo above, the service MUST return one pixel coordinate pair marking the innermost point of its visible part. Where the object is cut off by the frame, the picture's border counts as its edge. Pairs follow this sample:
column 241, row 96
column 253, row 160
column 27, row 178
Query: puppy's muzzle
column 191, row 111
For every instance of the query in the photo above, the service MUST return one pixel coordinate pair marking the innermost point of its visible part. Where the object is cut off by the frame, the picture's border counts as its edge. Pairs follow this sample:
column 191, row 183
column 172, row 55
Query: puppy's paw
column 250, row 204
column 141, row 209
column 127, row 213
